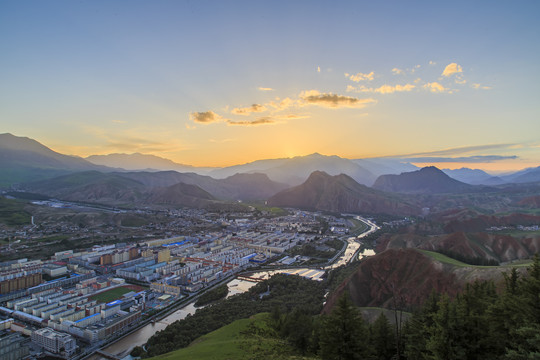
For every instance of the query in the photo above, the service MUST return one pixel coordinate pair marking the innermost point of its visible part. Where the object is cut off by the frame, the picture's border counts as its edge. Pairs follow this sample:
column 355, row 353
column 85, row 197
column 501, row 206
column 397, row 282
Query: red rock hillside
column 497, row 247
column 407, row 273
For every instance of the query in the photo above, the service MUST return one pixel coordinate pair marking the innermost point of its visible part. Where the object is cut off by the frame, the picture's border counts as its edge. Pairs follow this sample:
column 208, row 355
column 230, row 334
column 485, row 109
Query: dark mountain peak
column 426, row 180
column 340, row 193
column 430, row 169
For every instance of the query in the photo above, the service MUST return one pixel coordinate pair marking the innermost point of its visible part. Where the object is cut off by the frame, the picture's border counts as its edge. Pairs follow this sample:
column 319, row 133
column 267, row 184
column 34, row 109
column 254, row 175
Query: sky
column 219, row 83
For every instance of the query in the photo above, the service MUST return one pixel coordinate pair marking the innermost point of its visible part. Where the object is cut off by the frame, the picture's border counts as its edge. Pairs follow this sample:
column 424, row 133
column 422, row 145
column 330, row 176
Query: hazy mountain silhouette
column 138, row 161
column 296, row 170
column 473, row 176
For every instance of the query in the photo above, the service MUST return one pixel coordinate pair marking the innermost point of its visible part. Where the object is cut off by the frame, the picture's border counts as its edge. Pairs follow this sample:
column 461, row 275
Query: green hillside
column 249, row 338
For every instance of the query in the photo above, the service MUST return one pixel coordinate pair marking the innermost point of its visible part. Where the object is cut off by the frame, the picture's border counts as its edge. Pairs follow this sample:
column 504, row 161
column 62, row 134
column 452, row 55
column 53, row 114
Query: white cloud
column 435, row 87
column 397, row 71
column 360, row 76
column 452, row 69
column 384, row 89
column 318, row 69
column 265, row 89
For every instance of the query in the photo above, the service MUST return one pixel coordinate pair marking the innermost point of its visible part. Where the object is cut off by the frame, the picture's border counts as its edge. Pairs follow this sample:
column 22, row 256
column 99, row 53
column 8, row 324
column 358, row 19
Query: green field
column 111, row 295
column 243, row 339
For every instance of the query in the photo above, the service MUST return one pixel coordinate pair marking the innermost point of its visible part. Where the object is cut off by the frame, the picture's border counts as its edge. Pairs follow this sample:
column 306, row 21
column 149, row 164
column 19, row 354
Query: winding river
column 123, row 347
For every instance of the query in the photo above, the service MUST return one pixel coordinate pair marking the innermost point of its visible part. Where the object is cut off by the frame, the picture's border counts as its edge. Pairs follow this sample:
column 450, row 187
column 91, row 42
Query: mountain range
column 24, row 159
column 315, row 181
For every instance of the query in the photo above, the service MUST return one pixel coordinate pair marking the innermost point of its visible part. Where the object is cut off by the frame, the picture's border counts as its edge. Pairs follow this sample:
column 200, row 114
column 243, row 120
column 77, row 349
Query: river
column 139, row 337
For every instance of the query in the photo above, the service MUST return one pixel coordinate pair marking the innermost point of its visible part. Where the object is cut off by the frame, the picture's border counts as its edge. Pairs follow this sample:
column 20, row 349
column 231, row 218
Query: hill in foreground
column 250, row 338
column 408, row 276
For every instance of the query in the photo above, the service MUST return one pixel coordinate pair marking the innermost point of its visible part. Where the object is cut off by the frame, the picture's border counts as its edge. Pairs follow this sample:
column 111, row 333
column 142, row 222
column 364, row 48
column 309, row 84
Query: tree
column 381, row 338
column 344, row 332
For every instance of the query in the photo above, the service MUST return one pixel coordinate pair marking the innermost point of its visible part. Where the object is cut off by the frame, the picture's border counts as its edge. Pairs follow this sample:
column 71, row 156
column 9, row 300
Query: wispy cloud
column 462, row 159
column 291, row 117
column 119, row 121
column 480, row 87
column 318, row 69
column 435, row 87
column 260, row 121
column 255, row 108
column 283, row 104
column 360, row 76
column 265, row 89
column 384, row 89
column 205, row 117
column 221, row 141
column 451, row 69
column 329, row 100
column 465, row 150
column 397, row 71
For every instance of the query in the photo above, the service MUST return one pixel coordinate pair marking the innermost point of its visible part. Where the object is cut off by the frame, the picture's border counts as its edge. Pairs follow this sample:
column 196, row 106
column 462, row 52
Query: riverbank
column 139, row 335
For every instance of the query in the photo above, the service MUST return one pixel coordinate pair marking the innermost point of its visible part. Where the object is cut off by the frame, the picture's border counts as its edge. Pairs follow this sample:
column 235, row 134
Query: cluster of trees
column 480, row 323
column 343, row 334
column 288, row 292
column 312, row 251
column 215, row 294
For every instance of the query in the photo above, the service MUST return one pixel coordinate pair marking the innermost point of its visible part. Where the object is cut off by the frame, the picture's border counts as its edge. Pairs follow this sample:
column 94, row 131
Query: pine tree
column 344, row 333
column 381, row 338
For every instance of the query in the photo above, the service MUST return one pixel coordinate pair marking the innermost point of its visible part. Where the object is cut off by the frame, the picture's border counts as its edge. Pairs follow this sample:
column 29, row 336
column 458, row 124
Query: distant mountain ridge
column 138, row 161
column 23, row 159
column 296, row 170
column 145, row 188
column 340, row 193
column 473, row 176
column 428, row 180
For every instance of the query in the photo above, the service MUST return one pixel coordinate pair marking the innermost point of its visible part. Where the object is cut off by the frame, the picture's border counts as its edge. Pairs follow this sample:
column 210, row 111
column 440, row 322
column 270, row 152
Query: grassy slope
column 447, row 260
column 443, row 258
column 243, row 339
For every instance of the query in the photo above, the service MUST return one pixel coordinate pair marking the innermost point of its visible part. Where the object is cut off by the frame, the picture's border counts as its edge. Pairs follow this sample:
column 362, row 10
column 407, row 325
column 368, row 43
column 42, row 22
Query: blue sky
column 227, row 82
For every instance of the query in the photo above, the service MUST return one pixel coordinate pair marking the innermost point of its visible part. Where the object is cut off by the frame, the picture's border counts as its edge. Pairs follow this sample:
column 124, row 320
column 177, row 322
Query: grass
column 519, row 263
column 111, row 295
column 12, row 212
column 444, row 259
column 358, row 227
column 220, row 344
column 448, row 260
column 249, row 338
column 271, row 210
column 518, row 233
